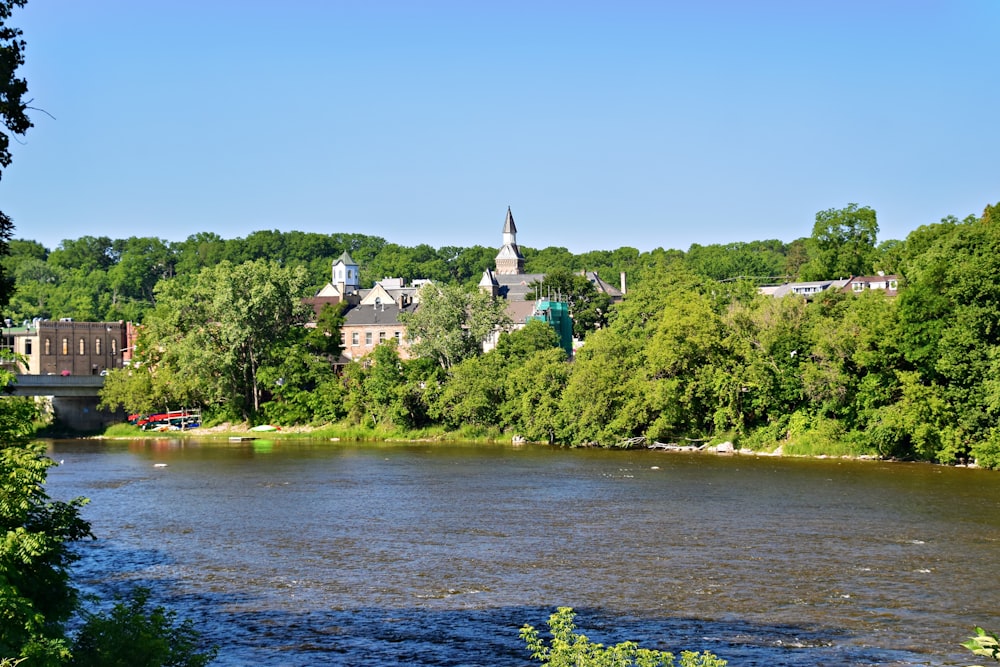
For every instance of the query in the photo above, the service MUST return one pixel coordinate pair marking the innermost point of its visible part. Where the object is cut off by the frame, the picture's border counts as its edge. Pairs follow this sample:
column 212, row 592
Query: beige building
column 372, row 315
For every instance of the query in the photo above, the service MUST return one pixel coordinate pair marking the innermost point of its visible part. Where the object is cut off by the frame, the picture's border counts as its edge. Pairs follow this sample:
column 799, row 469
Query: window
column 893, row 284
column 858, row 287
column 97, row 346
column 368, row 338
column 381, row 336
column 48, row 346
column 399, row 336
column 83, row 347
column 354, row 338
column 114, row 347
column 65, row 346
column 27, row 346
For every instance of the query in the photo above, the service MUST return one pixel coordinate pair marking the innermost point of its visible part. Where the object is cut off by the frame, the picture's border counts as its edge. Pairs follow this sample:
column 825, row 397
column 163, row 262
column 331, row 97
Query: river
column 319, row 553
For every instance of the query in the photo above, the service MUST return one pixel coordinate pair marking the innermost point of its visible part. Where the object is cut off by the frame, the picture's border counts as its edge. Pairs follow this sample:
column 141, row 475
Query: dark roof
column 514, row 287
column 518, row 311
column 602, row 286
column 384, row 313
column 508, row 223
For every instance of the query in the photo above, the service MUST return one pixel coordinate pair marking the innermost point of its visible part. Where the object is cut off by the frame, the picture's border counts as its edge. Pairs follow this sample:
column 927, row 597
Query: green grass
column 346, row 432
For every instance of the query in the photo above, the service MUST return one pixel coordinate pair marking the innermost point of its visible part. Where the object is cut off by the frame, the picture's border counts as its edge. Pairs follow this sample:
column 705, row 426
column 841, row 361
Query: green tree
column 142, row 263
column 533, row 391
column 451, row 323
column 843, row 242
column 132, row 634
column 324, row 338
column 535, row 336
column 759, row 379
column 473, row 393
column 198, row 251
column 36, row 597
column 211, row 335
column 385, row 391
column 588, row 307
column 36, row 283
column 13, row 112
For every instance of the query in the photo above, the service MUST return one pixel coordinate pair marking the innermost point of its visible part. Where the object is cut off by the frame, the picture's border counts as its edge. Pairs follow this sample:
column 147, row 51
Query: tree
column 588, row 307
column 324, row 338
column 36, row 598
column 534, row 336
column 142, row 263
column 134, row 635
column 87, row 253
column 212, row 334
column 844, row 243
column 533, row 390
column 451, row 323
column 13, row 112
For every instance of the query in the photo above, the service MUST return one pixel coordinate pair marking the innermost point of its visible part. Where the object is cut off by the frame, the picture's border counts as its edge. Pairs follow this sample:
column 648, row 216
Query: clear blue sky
column 643, row 124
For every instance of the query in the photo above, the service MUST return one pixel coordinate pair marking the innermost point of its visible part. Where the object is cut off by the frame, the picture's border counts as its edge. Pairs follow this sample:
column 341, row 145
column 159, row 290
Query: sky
column 601, row 124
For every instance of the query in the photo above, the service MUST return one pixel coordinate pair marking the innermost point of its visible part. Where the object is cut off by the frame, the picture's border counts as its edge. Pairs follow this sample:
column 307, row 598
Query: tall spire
column 509, row 260
column 508, row 225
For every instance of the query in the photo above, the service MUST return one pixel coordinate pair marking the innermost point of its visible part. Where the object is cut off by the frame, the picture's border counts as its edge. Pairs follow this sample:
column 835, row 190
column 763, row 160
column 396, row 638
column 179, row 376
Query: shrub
column 984, row 644
column 569, row 649
column 133, row 635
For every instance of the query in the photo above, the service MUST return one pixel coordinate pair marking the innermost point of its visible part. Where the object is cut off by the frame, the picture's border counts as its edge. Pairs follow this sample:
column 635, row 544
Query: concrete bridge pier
column 80, row 413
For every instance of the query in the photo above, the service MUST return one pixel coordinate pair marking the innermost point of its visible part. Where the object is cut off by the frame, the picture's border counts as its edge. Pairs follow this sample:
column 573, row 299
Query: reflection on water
column 332, row 554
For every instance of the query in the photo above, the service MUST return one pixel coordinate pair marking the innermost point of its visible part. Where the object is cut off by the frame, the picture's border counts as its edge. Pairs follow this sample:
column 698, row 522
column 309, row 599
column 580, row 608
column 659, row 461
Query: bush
column 133, row 635
column 984, row 644
column 568, row 649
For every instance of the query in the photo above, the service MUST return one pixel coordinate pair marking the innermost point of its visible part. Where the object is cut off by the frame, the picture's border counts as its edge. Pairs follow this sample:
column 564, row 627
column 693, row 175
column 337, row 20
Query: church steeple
column 509, row 260
column 345, row 274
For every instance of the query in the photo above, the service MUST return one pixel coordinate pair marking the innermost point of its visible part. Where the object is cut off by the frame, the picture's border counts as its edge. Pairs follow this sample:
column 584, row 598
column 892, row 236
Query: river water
column 318, row 553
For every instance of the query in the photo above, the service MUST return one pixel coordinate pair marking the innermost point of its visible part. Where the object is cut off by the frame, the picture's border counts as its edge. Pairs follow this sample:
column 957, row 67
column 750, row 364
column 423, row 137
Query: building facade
column 66, row 347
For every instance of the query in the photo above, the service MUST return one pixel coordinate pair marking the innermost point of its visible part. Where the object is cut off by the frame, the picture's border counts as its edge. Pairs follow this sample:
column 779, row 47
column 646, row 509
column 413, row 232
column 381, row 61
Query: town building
column 371, row 316
column 66, row 347
column 524, row 301
column 856, row 284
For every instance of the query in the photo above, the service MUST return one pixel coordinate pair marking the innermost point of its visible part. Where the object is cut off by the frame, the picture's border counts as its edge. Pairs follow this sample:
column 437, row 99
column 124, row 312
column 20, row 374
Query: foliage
column 588, row 307
column 324, row 337
column 134, row 635
column 13, row 114
column 985, row 644
column 683, row 356
column 843, row 243
column 568, row 648
column 212, row 338
column 451, row 323
column 760, row 261
column 36, row 597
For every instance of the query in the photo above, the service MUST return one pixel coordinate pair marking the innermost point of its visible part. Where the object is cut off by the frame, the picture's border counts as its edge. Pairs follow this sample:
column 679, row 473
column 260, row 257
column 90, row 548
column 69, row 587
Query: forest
column 693, row 353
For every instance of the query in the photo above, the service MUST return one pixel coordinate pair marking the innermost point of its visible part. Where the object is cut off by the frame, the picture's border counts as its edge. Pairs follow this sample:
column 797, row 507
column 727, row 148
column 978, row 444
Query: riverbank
column 228, row 431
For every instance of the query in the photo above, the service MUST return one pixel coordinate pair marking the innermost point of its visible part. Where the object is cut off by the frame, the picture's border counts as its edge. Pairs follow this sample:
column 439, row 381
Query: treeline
column 103, row 279
column 97, row 278
column 683, row 358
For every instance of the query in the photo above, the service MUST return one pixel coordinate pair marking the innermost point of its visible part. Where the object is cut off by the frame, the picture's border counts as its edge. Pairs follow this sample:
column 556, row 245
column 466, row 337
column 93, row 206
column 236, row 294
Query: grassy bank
column 324, row 432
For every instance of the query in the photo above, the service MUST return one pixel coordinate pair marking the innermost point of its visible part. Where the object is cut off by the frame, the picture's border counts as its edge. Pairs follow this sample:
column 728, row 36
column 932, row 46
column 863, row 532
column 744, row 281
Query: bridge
column 57, row 385
column 74, row 399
